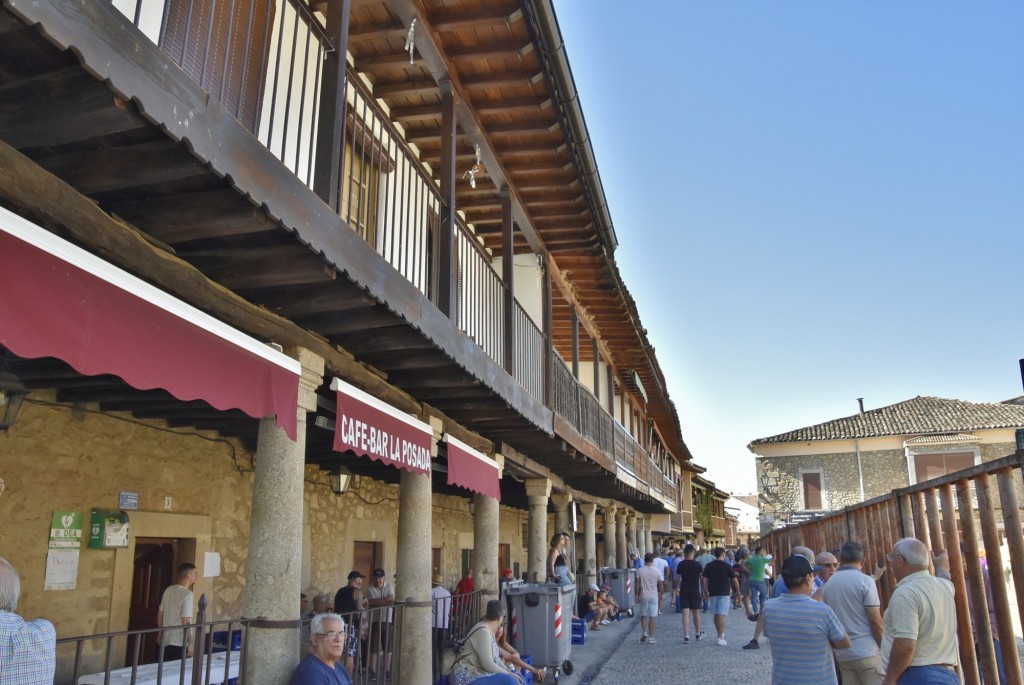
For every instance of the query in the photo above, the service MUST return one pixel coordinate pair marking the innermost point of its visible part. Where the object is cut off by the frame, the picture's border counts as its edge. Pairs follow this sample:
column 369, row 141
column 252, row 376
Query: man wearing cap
column 381, row 595
column 919, row 643
column 440, row 613
column 348, row 602
column 801, row 631
column 606, row 598
column 589, row 608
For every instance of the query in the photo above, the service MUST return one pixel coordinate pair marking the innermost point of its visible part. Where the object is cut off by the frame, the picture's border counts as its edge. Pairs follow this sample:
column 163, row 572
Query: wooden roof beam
column 538, row 103
column 507, row 49
column 453, row 21
column 397, row 88
column 519, row 77
column 383, row 29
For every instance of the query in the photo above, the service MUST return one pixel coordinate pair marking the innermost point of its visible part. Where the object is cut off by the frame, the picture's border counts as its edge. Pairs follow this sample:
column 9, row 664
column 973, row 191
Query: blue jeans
column 758, row 594
column 929, row 675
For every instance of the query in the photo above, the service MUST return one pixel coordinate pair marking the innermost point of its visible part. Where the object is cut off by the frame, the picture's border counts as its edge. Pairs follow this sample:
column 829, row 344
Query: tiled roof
column 911, row 417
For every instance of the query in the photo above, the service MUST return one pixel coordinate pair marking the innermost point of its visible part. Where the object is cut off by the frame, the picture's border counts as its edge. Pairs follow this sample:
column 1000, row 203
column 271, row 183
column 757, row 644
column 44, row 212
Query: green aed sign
column 108, row 529
column 66, row 530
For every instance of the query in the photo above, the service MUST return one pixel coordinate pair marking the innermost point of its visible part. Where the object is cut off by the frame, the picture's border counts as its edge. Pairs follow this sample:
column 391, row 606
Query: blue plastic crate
column 579, row 631
column 527, row 675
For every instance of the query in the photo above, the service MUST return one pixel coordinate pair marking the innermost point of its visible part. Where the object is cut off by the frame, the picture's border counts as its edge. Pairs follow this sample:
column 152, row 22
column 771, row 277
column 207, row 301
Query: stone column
column 649, row 533
column 631, row 545
column 273, row 573
column 413, row 563
column 485, row 545
column 641, row 534
column 610, row 526
column 537, row 492
column 621, row 553
column 589, row 510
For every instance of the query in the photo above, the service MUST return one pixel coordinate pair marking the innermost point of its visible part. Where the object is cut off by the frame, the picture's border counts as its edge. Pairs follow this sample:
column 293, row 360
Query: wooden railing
column 975, row 515
column 581, row 409
column 270, row 69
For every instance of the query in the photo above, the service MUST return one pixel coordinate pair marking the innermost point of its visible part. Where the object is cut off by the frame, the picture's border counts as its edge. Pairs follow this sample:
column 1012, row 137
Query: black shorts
column 690, row 600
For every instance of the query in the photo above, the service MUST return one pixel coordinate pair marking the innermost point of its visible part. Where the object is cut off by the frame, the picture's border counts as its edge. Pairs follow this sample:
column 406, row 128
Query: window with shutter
column 812, row 490
column 223, row 46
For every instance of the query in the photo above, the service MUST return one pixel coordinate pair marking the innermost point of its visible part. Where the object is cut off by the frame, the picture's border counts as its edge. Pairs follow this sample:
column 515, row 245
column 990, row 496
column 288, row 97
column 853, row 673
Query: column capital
column 538, row 487
column 561, row 500
column 588, row 508
column 312, row 376
column 609, row 512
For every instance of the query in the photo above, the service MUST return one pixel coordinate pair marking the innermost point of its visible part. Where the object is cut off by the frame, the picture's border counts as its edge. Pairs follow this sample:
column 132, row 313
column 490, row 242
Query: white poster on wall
column 211, row 565
column 61, row 569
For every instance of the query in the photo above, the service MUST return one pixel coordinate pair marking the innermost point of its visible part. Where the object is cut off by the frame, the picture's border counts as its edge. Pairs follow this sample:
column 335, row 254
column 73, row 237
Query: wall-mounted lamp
column 12, row 393
column 340, row 481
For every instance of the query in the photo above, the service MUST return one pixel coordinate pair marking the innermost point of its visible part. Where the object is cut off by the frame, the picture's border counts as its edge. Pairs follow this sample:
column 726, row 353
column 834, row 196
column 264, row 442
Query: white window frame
column 927, row 450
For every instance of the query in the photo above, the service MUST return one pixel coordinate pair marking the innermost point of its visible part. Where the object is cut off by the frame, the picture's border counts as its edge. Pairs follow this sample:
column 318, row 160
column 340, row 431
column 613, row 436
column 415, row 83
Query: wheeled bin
column 622, row 582
column 540, row 623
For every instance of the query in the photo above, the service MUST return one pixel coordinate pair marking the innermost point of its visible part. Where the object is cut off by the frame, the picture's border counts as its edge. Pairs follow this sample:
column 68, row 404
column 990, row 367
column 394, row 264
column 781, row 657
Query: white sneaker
column 722, row 642
column 686, row 639
column 651, row 641
column 700, row 635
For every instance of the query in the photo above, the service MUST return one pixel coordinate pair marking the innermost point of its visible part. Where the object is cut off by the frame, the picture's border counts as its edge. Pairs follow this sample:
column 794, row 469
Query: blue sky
column 815, row 202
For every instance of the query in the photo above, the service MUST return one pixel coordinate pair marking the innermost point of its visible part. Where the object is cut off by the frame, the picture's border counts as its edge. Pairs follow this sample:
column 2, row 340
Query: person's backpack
column 453, row 652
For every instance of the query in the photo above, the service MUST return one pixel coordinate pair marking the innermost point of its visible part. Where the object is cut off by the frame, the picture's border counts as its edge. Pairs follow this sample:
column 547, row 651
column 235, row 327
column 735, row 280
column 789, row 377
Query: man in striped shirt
column 801, row 631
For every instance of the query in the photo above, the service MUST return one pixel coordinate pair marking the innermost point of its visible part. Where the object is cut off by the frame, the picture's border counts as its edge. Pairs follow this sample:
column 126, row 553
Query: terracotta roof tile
column 911, row 417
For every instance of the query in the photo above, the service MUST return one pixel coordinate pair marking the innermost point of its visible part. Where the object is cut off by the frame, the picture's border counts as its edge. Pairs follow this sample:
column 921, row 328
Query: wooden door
column 367, row 556
column 153, row 573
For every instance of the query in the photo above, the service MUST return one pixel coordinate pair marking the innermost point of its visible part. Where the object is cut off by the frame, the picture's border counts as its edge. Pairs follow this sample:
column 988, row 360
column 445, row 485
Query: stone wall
column 883, row 471
column 56, row 458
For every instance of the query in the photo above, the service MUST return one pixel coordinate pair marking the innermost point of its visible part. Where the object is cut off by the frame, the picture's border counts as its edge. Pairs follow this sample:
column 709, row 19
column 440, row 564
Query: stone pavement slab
column 614, row 655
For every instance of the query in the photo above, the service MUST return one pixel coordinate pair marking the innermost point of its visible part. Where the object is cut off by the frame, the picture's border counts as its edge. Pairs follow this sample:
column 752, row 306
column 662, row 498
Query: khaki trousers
column 861, row 671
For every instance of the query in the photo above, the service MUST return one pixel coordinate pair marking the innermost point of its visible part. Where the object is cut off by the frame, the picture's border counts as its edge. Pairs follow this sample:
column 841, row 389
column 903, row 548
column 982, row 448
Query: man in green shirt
column 758, row 591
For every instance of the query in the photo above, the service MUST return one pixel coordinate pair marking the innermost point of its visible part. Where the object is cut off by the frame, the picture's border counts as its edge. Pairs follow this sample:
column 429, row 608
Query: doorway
column 367, row 556
column 155, row 561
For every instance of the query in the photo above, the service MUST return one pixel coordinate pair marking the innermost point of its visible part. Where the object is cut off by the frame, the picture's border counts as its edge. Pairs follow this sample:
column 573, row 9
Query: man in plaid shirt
column 28, row 649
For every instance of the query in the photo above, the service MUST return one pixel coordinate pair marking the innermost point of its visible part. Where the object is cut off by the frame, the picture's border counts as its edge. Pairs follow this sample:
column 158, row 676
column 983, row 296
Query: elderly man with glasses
column 323, row 665
column 919, row 643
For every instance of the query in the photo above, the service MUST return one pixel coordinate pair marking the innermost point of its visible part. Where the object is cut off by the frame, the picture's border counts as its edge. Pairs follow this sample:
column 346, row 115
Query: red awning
column 374, row 429
column 57, row 300
column 472, row 470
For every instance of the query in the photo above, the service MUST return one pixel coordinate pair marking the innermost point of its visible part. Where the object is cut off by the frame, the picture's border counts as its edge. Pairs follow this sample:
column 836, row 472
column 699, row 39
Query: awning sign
column 374, row 429
column 472, row 470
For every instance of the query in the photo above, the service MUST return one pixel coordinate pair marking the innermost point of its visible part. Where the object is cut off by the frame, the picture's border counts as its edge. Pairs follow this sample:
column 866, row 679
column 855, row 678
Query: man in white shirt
column 441, row 610
column 176, row 610
column 662, row 566
column 853, row 597
column 650, row 584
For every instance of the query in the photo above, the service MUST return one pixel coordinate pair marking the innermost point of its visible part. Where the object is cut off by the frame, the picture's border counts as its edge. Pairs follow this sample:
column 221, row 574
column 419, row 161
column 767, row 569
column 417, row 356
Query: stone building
column 284, row 298
column 831, row 465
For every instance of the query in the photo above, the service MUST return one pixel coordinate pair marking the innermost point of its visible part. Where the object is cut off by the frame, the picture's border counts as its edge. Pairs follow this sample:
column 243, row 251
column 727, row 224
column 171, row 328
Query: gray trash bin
column 540, row 623
column 622, row 582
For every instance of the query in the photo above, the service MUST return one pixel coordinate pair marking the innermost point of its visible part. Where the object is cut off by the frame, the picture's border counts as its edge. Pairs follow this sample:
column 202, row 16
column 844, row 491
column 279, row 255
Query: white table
column 146, row 673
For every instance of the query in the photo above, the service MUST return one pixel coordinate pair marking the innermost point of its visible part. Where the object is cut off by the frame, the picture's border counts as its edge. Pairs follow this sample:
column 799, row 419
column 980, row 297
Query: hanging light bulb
column 474, row 170
column 410, row 40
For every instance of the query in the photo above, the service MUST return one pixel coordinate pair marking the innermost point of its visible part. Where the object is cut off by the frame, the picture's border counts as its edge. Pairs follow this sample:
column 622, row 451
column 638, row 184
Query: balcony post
column 508, row 278
column 549, row 349
column 611, row 391
column 330, row 139
column 574, row 320
column 446, row 296
column 597, row 371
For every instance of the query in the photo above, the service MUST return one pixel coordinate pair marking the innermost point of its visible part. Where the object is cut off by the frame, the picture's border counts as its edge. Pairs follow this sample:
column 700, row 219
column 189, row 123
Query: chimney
column 860, row 402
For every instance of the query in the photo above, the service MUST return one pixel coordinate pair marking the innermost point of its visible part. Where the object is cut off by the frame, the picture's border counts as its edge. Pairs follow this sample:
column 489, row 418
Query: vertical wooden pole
column 997, row 584
column 446, row 295
column 1014, row 533
column 574, row 320
column 549, row 338
column 508, row 278
column 597, row 373
column 330, row 138
column 968, row 659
